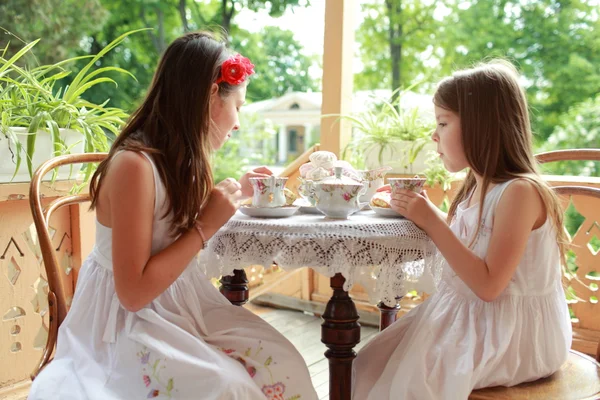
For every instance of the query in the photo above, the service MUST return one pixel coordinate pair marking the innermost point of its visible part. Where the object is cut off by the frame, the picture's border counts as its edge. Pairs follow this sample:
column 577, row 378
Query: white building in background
column 297, row 116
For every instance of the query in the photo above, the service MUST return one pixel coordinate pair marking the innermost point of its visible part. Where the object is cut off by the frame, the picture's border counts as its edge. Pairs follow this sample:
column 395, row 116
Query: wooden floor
column 304, row 331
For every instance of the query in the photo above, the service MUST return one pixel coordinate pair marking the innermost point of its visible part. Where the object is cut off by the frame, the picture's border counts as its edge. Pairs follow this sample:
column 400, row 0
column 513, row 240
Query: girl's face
column 448, row 137
column 224, row 115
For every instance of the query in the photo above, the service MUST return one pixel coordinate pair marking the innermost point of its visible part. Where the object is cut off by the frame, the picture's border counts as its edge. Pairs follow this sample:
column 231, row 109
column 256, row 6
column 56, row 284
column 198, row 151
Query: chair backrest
column 57, row 298
column 570, row 194
column 569, row 155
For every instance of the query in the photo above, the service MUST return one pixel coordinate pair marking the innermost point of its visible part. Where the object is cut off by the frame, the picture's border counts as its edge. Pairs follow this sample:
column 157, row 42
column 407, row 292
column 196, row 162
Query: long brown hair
column 172, row 125
column 496, row 135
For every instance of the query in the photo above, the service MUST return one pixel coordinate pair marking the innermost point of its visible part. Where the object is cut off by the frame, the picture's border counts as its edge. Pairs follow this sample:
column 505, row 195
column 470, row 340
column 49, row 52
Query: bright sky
column 307, row 23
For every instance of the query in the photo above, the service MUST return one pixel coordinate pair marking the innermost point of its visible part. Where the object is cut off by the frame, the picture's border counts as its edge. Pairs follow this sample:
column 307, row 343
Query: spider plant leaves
column 30, row 98
column 82, row 78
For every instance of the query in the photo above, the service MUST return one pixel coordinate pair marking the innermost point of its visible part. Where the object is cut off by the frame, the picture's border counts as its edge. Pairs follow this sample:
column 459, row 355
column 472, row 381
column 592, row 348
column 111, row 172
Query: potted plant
column 437, row 175
column 390, row 134
column 39, row 121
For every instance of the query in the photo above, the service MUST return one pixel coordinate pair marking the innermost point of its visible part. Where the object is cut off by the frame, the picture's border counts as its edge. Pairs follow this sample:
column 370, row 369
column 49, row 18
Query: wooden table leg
column 235, row 287
column 340, row 332
column 387, row 315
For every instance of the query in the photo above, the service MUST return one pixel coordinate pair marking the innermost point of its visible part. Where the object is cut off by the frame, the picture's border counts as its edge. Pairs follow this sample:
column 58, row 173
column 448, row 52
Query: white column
column 283, row 144
column 307, row 136
column 338, row 54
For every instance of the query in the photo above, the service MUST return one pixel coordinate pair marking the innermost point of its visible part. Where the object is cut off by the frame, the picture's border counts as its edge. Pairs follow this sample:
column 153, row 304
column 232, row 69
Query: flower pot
column 44, row 151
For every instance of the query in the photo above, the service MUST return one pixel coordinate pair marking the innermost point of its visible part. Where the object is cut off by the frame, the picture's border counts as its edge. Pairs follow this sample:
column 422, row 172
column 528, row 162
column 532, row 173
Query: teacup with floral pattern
column 373, row 180
column 268, row 191
column 415, row 184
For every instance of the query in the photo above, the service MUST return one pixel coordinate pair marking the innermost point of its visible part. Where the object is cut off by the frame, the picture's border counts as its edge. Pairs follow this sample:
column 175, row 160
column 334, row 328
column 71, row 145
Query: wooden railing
column 23, row 281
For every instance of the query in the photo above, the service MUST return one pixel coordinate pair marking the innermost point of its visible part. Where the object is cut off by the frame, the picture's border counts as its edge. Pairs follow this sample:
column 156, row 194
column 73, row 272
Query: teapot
column 337, row 196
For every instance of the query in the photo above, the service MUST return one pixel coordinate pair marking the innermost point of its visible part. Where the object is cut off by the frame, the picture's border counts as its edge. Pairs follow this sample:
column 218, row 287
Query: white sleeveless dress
column 188, row 343
column 454, row 342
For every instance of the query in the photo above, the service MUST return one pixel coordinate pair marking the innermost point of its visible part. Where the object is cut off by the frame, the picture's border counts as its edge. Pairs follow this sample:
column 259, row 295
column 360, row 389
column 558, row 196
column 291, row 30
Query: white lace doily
column 388, row 256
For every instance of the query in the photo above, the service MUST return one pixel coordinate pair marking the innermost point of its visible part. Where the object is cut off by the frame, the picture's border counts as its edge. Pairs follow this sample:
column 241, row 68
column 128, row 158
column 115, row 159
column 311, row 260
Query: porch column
column 307, row 136
column 282, row 146
column 337, row 73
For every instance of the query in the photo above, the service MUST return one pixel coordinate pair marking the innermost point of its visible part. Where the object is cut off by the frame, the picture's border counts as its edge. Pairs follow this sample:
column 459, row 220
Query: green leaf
column 75, row 85
column 593, row 275
column 12, row 137
column 32, row 131
column 55, row 134
column 5, row 49
column 18, row 55
column 81, row 89
column 56, row 143
column 55, row 77
column 44, row 69
column 107, row 69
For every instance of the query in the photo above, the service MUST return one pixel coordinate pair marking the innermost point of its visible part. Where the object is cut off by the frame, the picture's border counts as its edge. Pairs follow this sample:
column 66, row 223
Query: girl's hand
column 260, row 172
column 415, row 206
column 223, row 203
column 385, row 188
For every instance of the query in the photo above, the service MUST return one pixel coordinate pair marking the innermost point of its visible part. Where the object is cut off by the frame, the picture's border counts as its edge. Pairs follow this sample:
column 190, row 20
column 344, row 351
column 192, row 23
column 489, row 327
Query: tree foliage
column 60, row 23
column 554, row 43
column 579, row 128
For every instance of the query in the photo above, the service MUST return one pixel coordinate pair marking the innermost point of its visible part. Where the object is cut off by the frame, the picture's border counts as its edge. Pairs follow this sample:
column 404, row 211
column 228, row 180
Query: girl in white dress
column 145, row 322
column 499, row 315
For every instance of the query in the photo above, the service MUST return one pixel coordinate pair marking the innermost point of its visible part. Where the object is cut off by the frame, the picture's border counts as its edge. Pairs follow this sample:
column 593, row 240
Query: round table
column 388, row 256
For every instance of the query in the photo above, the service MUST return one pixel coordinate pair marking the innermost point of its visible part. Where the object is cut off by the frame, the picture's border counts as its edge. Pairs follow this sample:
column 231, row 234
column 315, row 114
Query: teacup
column 415, row 184
column 337, row 196
column 268, row 191
column 373, row 180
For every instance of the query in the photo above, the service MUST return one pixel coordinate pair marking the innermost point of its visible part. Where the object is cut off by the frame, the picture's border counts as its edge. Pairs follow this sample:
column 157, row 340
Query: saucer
column 268, row 212
column 305, row 207
column 385, row 212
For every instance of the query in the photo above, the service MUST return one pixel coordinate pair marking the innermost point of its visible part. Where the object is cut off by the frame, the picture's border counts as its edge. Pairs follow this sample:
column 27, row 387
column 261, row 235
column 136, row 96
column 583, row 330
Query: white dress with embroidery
column 454, row 342
column 188, row 343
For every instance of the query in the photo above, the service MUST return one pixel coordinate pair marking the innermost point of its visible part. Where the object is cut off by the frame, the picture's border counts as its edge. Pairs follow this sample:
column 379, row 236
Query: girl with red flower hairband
column 145, row 321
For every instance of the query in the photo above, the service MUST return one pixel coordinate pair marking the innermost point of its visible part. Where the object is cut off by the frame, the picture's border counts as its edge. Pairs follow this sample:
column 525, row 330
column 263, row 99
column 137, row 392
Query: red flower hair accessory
column 235, row 70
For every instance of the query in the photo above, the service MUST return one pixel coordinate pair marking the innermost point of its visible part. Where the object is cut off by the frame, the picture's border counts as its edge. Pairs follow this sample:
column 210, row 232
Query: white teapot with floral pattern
column 337, row 196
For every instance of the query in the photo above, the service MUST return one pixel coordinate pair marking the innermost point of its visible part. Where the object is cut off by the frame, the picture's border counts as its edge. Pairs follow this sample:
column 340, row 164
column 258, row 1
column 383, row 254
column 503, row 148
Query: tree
column 554, row 43
column 62, row 24
column 396, row 40
column 222, row 12
column 170, row 18
column 279, row 63
column 139, row 53
column 579, row 128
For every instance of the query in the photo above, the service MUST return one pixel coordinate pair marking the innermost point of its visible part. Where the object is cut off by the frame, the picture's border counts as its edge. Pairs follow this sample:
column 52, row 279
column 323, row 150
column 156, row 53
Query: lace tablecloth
column 388, row 256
